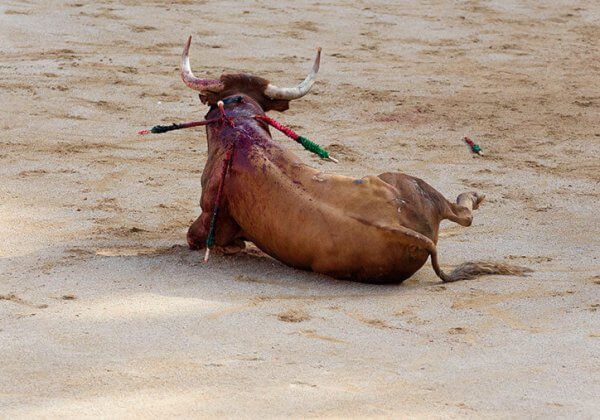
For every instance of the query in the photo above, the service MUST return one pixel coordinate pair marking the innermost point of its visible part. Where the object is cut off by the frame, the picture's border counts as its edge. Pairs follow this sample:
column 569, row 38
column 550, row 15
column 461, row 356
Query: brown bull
column 375, row 229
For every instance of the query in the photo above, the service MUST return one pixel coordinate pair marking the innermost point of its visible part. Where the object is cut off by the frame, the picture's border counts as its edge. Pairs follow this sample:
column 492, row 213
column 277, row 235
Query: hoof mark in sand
column 293, row 315
column 299, row 383
column 595, row 279
column 16, row 12
column 376, row 323
column 313, row 334
column 143, row 28
column 15, row 299
column 33, row 172
column 347, row 152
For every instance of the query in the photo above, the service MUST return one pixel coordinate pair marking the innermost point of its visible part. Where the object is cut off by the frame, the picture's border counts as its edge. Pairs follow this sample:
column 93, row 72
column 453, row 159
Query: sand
column 104, row 312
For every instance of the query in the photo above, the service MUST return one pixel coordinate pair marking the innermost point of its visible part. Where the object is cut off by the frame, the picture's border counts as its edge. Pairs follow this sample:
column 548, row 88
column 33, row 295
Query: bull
column 378, row 229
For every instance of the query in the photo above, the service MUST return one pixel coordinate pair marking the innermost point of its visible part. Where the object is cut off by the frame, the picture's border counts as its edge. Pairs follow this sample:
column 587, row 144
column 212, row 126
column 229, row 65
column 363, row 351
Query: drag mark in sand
column 16, row 299
column 313, row 334
column 293, row 315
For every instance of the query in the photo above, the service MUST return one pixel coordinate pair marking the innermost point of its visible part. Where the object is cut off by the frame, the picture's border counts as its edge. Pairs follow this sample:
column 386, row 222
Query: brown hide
column 378, row 229
column 364, row 229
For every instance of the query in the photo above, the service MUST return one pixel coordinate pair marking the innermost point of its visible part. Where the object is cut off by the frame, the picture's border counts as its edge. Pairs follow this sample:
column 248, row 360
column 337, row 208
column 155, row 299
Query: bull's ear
column 277, row 105
column 209, row 98
column 203, row 98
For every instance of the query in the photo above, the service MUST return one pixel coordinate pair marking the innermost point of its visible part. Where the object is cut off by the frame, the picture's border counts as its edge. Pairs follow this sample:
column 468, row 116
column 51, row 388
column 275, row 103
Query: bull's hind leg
column 462, row 211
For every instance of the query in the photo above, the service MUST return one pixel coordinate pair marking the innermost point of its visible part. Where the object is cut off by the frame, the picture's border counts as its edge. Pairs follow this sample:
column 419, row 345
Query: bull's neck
column 239, row 126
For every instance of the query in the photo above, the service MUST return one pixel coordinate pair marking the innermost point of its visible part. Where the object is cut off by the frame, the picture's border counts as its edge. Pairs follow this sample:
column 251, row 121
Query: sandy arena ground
column 104, row 312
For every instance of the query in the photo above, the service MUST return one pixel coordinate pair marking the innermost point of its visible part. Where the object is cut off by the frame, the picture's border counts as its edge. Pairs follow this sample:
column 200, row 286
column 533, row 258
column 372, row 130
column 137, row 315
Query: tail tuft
column 470, row 270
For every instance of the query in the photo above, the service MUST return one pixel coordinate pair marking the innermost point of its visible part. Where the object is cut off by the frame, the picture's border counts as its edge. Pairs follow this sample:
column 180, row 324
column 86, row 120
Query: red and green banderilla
column 210, row 239
column 158, row 129
column 306, row 143
column 475, row 148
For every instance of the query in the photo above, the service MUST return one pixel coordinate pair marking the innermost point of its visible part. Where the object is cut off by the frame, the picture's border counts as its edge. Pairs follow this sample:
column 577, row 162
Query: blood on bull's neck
column 236, row 124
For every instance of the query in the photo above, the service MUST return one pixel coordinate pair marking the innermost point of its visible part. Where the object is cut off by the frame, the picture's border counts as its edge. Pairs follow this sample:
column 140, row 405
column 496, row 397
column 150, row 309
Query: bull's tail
column 465, row 271
column 470, row 270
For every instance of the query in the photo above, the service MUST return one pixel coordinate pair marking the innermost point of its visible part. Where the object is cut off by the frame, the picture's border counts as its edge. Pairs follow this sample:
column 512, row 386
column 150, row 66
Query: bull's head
column 267, row 95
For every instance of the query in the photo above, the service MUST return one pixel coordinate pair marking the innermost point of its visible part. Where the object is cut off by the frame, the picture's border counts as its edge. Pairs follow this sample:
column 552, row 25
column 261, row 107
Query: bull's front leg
column 228, row 233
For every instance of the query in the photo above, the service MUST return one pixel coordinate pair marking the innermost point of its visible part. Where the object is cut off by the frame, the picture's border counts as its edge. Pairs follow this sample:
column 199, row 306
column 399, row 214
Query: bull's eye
column 234, row 99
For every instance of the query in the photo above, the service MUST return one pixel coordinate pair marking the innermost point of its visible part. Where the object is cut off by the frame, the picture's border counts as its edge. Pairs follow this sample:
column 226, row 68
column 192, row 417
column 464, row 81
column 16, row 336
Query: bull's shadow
column 247, row 271
column 174, row 270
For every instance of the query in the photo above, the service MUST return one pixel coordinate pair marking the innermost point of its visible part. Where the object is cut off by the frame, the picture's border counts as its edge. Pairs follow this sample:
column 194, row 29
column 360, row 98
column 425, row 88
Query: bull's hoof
column 477, row 199
column 472, row 196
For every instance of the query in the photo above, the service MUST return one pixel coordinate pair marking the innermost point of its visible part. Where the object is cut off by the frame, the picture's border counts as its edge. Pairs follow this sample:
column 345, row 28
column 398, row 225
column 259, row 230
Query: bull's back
column 331, row 224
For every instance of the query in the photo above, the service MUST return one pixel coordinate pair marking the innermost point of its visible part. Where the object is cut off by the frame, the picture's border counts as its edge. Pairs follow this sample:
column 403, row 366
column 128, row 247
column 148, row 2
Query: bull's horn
column 299, row 91
column 193, row 82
